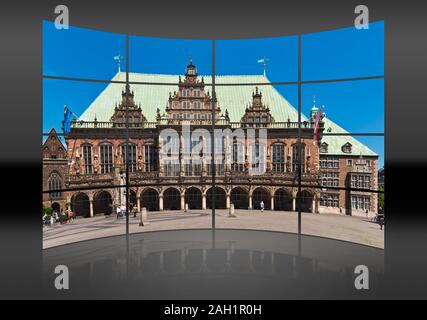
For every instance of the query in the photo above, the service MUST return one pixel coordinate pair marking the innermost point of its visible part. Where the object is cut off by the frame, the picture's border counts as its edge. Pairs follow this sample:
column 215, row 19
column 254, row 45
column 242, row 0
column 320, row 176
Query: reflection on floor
column 225, row 264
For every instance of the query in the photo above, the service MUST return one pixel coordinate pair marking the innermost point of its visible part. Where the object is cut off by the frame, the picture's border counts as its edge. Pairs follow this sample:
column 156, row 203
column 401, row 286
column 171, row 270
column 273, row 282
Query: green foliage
column 63, row 216
column 48, row 211
column 381, row 201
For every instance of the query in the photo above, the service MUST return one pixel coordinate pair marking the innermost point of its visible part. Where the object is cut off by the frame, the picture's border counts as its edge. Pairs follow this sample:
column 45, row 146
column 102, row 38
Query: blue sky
column 357, row 106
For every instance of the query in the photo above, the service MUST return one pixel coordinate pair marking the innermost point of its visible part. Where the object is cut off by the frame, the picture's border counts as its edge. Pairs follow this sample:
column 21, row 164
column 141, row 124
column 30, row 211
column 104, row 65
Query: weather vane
column 264, row 61
column 118, row 59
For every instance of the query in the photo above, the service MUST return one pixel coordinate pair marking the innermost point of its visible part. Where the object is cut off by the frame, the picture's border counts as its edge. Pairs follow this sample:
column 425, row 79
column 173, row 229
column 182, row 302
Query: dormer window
column 323, row 148
column 346, row 148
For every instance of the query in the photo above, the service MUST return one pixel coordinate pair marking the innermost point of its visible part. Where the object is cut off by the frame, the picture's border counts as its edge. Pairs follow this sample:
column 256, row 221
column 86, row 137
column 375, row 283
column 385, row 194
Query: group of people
column 121, row 210
column 64, row 215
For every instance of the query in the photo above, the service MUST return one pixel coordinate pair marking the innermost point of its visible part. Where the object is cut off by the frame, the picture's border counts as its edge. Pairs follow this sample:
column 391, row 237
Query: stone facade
column 55, row 165
column 350, row 169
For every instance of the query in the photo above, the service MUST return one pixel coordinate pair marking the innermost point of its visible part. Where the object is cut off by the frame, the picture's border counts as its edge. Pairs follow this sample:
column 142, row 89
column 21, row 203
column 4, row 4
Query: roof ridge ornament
column 264, row 61
column 118, row 60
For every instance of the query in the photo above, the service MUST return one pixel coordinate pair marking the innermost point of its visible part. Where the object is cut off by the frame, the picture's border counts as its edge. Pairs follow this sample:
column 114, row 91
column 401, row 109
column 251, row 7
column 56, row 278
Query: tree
column 381, row 201
column 47, row 210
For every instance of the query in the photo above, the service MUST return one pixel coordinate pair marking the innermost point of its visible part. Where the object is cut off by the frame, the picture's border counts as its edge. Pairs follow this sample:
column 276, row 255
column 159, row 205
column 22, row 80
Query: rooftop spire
column 314, row 107
column 263, row 61
column 191, row 68
column 118, row 60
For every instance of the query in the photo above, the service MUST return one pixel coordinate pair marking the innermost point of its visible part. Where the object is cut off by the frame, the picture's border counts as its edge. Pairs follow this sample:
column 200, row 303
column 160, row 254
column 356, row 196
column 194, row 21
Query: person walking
column 70, row 215
column 56, row 216
column 262, row 206
column 134, row 210
column 381, row 217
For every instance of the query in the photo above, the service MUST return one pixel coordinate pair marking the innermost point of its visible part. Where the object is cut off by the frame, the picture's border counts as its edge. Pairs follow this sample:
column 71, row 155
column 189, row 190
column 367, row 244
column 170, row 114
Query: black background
column 21, row 101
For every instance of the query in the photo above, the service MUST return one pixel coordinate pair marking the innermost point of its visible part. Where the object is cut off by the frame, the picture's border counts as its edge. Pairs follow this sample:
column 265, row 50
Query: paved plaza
column 354, row 229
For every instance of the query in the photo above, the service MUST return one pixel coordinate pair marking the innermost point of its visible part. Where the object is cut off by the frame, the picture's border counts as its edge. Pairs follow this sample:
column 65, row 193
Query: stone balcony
column 165, row 122
column 235, row 177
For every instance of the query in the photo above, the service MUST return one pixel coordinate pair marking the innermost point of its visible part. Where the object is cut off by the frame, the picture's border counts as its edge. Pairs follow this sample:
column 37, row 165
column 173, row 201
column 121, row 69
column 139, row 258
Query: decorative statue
column 140, row 162
column 95, row 163
column 119, row 158
column 227, row 117
column 77, row 165
column 158, row 116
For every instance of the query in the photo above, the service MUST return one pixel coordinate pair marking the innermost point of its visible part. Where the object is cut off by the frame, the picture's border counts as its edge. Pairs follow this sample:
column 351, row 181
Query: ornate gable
column 191, row 102
column 257, row 113
column 134, row 111
column 53, row 147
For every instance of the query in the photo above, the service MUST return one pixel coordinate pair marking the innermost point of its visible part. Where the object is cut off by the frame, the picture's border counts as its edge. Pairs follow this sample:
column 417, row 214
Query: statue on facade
column 95, row 163
column 119, row 161
column 77, row 165
column 158, row 116
column 140, row 162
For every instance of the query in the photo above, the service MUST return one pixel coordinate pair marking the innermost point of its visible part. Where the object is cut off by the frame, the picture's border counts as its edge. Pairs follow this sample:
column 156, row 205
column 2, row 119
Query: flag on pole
column 66, row 123
column 263, row 61
column 319, row 117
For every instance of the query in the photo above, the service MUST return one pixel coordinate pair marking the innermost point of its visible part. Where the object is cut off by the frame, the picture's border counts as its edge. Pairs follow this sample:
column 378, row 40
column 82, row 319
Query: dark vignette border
column 405, row 67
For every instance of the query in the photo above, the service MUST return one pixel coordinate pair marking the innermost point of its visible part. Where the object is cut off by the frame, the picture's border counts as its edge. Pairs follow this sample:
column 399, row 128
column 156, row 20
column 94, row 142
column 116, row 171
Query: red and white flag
column 319, row 117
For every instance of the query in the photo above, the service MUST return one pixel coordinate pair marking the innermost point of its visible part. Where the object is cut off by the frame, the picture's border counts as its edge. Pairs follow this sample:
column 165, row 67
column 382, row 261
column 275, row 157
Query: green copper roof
column 335, row 143
column 233, row 98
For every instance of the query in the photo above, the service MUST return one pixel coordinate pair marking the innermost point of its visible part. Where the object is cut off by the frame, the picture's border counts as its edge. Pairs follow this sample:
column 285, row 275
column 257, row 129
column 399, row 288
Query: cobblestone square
column 342, row 227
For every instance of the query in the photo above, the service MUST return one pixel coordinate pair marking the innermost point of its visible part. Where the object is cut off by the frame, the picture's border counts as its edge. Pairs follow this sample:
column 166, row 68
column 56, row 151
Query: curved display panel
column 202, row 134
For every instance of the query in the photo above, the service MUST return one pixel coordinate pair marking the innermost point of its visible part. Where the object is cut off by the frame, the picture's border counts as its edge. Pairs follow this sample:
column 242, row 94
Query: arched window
column 106, row 157
column 186, row 105
column 150, row 153
column 258, row 157
column 278, row 157
column 296, row 157
column 238, row 159
column 54, row 185
column 87, row 158
column 132, row 156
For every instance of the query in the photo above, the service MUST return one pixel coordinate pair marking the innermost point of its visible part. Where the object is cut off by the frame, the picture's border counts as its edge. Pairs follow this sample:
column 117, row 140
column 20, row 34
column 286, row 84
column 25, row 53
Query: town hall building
column 95, row 155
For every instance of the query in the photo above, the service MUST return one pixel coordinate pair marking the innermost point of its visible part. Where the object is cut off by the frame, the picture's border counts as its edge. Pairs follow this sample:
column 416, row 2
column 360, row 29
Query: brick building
column 169, row 179
column 55, row 166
